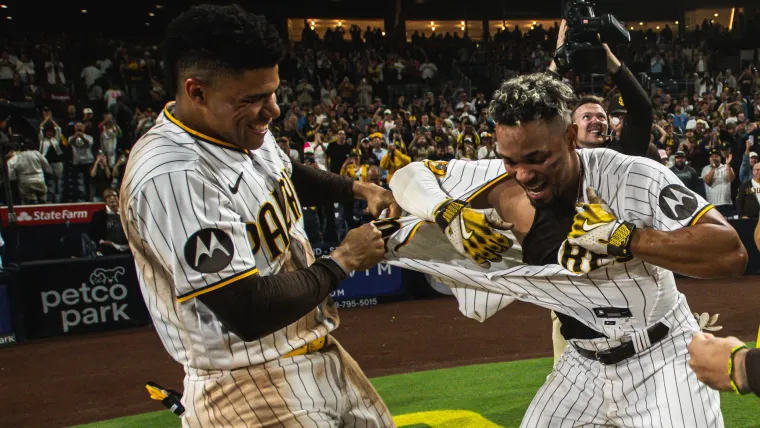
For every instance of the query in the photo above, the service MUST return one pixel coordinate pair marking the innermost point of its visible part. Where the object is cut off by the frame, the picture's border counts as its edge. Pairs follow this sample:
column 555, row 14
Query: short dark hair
column 213, row 38
column 531, row 97
column 588, row 99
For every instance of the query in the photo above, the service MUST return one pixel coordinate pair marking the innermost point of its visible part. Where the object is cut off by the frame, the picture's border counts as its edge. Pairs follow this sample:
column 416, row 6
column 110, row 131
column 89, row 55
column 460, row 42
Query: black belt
column 615, row 355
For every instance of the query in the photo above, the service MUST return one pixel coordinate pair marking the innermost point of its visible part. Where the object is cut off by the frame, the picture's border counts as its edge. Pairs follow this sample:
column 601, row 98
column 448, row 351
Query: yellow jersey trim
column 411, row 234
column 700, row 214
column 198, row 134
column 488, row 185
column 218, row 285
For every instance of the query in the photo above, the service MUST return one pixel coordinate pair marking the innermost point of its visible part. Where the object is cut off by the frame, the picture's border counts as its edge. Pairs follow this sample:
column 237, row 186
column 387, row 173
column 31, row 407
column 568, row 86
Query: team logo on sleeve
column 209, row 250
column 677, row 202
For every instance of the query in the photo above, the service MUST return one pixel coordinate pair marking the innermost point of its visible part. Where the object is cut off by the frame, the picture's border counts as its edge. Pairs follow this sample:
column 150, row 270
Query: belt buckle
column 597, row 357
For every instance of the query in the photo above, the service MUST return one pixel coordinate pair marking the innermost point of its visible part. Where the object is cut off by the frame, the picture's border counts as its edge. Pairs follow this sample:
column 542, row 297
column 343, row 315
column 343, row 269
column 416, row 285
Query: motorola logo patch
column 209, row 250
column 677, row 202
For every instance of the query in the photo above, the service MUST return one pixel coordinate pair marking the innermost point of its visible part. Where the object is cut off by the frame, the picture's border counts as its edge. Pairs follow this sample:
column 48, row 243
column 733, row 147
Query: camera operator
column 592, row 118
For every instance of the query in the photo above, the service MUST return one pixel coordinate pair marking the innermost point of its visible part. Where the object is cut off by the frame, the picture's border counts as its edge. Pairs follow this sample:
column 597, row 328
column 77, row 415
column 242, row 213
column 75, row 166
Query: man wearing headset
column 631, row 118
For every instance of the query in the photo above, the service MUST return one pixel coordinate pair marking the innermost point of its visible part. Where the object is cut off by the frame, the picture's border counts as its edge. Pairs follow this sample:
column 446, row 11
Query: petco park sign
column 81, row 296
column 34, row 215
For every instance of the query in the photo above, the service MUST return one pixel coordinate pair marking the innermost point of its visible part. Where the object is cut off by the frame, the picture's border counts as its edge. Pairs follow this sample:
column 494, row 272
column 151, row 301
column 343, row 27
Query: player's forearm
column 705, row 250
column 260, row 305
column 315, row 187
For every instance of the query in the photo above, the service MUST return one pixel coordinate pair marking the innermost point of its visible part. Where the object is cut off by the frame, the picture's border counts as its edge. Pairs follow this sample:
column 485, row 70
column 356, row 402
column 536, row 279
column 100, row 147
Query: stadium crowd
column 364, row 107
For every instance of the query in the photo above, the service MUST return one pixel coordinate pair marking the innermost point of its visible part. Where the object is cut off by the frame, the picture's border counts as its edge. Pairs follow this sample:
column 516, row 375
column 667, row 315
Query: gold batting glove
column 596, row 229
column 472, row 232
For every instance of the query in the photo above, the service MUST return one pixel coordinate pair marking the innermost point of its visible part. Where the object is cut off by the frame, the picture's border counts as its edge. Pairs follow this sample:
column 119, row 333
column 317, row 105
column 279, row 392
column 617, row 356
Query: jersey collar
column 199, row 135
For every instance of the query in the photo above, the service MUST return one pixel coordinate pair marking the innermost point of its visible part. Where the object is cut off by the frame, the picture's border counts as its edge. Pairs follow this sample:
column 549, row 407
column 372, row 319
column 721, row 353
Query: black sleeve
column 256, row 306
column 752, row 366
column 634, row 137
column 315, row 187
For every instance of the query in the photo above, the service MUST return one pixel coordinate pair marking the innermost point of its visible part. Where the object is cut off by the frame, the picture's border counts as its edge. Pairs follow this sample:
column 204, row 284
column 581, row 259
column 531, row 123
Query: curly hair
column 531, row 97
column 210, row 39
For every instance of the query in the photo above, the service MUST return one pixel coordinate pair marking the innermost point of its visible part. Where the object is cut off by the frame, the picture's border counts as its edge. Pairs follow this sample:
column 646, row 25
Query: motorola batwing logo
column 209, row 250
column 677, row 202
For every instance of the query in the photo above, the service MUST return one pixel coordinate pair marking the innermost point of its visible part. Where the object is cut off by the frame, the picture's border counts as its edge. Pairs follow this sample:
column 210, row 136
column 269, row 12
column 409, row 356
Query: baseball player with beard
column 212, row 212
column 600, row 235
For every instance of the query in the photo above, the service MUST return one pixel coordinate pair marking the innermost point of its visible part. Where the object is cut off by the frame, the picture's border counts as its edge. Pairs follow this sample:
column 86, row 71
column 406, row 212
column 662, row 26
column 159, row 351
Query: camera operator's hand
column 560, row 42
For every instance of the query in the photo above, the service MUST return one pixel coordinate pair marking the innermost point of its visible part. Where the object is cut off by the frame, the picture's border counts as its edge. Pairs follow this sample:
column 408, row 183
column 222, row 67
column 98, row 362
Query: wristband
column 731, row 368
column 446, row 212
column 330, row 259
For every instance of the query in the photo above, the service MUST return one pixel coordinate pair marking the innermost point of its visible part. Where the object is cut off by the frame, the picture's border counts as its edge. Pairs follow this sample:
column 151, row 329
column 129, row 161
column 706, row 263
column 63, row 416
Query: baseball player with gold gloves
column 612, row 284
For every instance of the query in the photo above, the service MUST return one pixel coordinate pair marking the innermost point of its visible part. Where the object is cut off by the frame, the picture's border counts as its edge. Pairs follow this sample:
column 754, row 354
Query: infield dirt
column 79, row 379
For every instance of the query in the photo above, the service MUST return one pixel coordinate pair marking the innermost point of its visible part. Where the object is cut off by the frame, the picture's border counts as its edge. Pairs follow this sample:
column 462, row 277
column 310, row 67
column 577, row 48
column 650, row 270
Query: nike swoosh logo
column 466, row 234
column 587, row 228
column 234, row 189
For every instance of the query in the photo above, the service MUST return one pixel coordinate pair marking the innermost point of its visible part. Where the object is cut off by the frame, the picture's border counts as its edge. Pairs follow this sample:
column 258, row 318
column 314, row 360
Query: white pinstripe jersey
column 636, row 189
column 200, row 214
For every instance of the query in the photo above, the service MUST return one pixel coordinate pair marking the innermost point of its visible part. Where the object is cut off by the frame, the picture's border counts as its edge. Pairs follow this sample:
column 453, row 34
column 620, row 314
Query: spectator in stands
column 718, row 177
column 28, row 166
column 82, row 159
column 749, row 159
column 51, row 148
column 118, row 169
column 100, row 176
column 90, row 76
column 284, row 145
column 337, row 153
column 687, row 174
column 105, row 227
column 393, row 160
column 487, row 148
column 55, row 76
column 748, row 197
column 109, row 137
column 353, row 166
column 361, row 214
column 90, row 127
column 7, row 70
column 365, row 93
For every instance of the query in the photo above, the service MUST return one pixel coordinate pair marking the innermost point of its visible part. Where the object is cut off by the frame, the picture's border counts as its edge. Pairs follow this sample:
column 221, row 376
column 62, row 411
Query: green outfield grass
column 498, row 392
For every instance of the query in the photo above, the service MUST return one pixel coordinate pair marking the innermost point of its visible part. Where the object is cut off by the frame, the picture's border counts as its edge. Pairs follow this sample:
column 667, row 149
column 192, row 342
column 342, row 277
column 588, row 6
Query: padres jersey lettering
column 201, row 214
column 207, row 214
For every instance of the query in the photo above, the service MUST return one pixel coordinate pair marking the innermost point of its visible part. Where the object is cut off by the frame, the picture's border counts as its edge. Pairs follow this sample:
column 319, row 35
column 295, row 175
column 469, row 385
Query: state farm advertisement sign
column 34, row 215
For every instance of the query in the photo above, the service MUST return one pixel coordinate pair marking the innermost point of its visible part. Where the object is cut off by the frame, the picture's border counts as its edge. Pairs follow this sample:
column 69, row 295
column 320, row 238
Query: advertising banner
column 36, row 215
column 363, row 288
column 80, row 296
